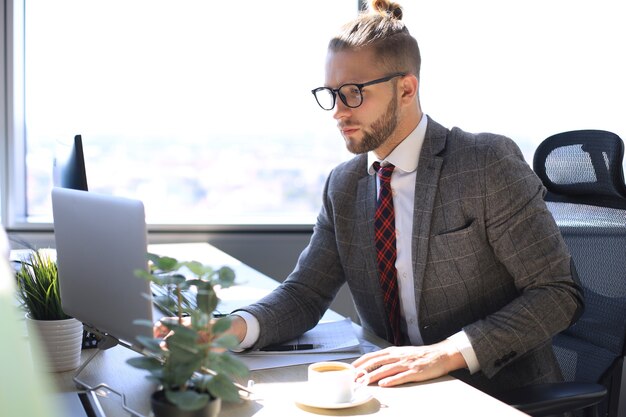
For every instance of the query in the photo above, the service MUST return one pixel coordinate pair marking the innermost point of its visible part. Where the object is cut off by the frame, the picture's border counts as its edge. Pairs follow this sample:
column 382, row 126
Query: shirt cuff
column 252, row 332
column 462, row 343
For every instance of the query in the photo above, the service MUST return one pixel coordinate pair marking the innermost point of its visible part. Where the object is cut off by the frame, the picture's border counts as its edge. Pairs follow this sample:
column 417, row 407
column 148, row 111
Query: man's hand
column 160, row 331
column 401, row 364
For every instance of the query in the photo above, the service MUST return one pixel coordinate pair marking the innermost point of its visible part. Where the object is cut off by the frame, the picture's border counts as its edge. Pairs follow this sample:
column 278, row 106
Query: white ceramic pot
column 60, row 340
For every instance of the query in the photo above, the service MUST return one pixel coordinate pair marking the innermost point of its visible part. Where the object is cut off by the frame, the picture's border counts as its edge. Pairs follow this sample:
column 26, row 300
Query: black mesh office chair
column 583, row 173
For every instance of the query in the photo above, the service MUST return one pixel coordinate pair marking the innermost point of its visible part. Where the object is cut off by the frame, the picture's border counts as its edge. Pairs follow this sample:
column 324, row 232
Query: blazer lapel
column 426, row 183
column 365, row 199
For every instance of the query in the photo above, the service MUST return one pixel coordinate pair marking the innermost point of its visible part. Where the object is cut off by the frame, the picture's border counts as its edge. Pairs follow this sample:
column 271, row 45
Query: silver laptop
column 100, row 241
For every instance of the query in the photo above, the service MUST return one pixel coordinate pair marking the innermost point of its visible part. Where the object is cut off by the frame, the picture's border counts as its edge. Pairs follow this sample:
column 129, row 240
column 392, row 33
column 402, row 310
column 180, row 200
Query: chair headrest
column 584, row 167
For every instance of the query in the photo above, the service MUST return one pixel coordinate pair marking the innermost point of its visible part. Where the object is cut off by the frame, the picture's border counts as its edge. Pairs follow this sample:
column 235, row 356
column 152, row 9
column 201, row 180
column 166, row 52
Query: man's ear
column 408, row 86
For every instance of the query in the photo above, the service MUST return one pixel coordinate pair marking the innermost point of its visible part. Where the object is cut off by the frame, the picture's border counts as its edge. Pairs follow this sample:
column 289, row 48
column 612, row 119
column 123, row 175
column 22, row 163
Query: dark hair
column 380, row 27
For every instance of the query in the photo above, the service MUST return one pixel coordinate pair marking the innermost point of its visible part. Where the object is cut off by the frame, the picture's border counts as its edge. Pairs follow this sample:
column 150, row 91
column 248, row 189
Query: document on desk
column 332, row 340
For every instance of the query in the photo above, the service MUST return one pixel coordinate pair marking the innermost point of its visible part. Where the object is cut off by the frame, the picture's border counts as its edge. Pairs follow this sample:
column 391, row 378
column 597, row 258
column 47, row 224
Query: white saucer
column 358, row 399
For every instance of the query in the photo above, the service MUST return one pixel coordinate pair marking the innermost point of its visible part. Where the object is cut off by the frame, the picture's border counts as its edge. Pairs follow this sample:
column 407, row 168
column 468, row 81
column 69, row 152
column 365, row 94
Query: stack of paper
column 333, row 340
column 326, row 337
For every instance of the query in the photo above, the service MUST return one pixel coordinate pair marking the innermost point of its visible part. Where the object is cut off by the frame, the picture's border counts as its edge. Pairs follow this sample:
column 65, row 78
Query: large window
column 203, row 110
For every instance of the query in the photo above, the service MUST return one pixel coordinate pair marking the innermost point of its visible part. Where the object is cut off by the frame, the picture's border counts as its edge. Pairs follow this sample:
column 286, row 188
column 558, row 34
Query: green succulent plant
column 192, row 363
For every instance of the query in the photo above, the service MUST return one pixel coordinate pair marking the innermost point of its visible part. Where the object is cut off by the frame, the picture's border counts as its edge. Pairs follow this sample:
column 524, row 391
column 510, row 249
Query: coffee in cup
column 331, row 382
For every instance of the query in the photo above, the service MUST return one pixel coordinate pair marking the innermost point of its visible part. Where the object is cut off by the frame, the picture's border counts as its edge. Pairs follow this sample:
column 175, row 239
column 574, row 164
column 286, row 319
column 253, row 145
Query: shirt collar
column 407, row 154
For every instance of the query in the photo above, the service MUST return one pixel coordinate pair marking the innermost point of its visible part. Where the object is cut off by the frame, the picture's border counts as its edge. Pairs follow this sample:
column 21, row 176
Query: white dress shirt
column 405, row 158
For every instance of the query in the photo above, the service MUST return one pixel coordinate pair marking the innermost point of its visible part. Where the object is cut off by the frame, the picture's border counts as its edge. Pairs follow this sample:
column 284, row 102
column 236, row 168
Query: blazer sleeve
column 527, row 241
column 299, row 303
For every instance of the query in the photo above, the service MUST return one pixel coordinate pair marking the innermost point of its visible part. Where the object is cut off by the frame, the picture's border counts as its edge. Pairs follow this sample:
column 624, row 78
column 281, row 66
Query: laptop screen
column 100, row 241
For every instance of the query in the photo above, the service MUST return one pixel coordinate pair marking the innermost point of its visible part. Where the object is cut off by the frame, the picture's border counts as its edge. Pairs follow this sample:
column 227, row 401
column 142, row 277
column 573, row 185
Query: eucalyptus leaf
column 227, row 341
column 221, row 325
column 220, row 386
column 207, row 301
column 228, row 364
column 153, row 257
column 195, row 267
column 179, row 371
column 165, row 301
column 172, row 324
column 143, row 322
column 175, row 279
column 226, row 276
column 183, row 336
column 164, row 263
column 142, row 273
column 144, row 362
column 150, row 343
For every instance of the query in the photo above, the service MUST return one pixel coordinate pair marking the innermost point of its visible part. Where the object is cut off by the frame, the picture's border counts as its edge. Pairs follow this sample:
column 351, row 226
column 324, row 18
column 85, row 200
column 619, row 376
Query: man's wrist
column 463, row 345
column 246, row 328
column 238, row 327
column 454, row 359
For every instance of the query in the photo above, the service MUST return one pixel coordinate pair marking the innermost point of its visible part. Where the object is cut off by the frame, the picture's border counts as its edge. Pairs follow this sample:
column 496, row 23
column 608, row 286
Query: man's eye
column 354, row 91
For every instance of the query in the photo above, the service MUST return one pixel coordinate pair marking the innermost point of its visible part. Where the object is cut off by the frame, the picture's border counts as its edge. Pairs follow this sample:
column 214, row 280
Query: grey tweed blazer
column 488, row 258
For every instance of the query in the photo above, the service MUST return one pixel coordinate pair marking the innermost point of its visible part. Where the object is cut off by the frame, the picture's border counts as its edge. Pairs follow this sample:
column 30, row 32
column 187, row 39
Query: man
column 476, row 278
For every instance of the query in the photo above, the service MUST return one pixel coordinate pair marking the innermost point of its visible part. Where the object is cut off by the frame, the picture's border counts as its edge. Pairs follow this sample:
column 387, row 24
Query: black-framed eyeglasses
column 350, row 94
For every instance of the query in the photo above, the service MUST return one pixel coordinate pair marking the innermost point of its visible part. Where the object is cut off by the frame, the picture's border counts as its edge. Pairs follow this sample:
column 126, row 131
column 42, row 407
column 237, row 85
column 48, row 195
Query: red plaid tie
column 385, row 237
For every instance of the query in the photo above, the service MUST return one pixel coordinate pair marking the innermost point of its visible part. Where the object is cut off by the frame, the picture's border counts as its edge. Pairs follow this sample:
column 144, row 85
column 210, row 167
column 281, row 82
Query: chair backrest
column 583, row 174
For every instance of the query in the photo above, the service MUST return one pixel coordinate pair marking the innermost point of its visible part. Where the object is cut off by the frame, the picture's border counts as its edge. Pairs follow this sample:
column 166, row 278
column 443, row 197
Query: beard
column 378, row 132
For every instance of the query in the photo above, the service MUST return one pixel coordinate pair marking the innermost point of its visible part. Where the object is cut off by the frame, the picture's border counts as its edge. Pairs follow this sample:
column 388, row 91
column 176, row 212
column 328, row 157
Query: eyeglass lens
column 349, row 94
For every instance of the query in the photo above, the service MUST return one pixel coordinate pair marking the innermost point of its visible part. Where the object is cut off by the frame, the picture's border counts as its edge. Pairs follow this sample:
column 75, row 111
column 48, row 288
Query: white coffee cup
column 331, row 382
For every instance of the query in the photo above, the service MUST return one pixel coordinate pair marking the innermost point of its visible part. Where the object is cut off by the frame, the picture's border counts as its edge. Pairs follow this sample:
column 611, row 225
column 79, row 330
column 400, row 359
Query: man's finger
column 398, row 379
column 159, row 330
column 369, row 356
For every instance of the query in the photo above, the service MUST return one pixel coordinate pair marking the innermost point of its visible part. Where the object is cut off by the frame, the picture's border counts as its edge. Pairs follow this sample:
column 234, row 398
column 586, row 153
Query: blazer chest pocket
column 457, row 244
column 457, row 257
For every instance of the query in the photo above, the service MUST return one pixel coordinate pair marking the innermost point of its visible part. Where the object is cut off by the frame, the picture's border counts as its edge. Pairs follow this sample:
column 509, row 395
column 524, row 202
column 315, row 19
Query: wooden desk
column 276, row 389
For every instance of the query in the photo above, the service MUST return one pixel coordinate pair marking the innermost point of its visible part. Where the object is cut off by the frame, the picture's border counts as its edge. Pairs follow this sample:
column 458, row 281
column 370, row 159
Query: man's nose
column 341, row 110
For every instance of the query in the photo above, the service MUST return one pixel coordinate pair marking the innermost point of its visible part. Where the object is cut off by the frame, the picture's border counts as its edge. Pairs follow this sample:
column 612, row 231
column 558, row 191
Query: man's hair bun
column 386, row 8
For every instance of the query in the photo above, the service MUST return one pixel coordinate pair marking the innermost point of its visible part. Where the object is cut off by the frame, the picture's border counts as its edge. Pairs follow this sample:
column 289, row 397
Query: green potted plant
column 192, row 363
column 38, row 292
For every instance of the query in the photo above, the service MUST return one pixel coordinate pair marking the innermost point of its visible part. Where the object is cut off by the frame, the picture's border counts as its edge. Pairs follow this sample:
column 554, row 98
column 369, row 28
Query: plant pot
column 162, row 408
column 60, row 340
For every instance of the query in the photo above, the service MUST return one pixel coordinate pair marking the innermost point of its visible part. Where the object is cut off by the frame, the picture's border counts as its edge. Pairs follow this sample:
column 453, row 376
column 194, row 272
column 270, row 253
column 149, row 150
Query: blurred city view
column 226, row 180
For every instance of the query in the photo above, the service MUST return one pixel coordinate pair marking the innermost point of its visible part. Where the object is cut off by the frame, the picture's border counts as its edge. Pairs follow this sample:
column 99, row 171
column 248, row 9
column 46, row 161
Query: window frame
column 13, row 149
